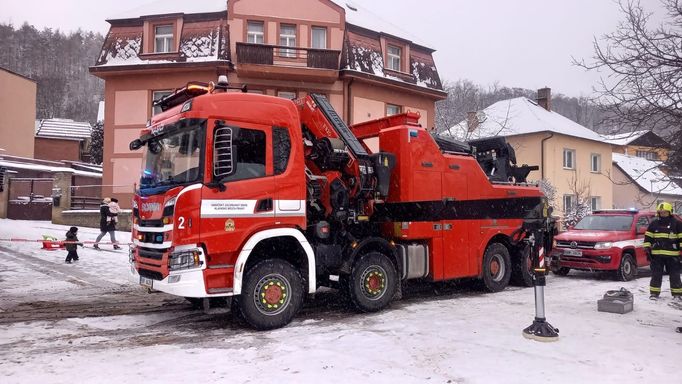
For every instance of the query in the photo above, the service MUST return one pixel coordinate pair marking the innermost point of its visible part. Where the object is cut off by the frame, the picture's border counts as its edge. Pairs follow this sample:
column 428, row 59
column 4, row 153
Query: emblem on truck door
column 229, row 225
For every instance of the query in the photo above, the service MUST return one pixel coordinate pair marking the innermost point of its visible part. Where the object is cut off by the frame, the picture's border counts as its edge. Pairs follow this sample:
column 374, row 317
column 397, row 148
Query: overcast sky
column 516, row 43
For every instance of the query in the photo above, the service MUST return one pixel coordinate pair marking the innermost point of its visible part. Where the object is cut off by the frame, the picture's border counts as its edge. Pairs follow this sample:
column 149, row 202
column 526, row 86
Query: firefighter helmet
column 665, row 207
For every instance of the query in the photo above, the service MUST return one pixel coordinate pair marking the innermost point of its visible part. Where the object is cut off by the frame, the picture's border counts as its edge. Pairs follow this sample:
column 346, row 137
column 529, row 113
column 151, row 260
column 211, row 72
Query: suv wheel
column 627, row 269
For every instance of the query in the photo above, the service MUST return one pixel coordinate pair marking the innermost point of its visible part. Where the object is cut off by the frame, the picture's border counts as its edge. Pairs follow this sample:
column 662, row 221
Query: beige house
column 640, row 183
column 573, row 159
column 17, row 113
column 367, row 68
column 645, row 144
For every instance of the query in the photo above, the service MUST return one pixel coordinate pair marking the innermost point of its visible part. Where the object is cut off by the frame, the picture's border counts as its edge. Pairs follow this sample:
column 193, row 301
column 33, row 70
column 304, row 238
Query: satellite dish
column 481, row 117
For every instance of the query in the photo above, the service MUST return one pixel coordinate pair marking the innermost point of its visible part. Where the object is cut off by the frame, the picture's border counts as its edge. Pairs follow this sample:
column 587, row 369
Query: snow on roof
column 520, row 116
column 199, row 42
column 364, row 18
column 46, row 168
column 646, row 174
column 64, row 129
column 164, row 7
column 623, row 138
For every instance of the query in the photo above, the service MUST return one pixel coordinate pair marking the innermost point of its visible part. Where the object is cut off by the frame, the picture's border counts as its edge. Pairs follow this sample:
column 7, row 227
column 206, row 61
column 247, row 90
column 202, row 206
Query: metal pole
column 540, row 330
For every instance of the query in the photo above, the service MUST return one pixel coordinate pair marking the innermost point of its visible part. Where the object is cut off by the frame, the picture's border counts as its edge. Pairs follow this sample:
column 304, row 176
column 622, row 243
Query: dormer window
column 394, row 55
column 163, row 38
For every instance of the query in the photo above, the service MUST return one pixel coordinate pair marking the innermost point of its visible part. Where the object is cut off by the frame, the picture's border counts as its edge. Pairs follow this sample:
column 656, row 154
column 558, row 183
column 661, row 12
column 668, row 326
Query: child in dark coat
column 72, row 245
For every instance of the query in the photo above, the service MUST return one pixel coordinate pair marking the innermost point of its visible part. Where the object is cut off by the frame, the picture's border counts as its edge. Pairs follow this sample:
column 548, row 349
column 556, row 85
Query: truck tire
column 521, row 269
column 373, row 282
column 627, row 269
column 272, row 294
column 496, row 270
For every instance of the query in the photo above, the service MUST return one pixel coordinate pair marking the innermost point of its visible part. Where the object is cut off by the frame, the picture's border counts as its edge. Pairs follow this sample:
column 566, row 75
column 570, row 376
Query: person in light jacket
column 107, row 224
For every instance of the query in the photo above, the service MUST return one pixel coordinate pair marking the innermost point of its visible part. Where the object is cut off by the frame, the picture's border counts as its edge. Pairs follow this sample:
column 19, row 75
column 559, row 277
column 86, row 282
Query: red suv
column 606, row 240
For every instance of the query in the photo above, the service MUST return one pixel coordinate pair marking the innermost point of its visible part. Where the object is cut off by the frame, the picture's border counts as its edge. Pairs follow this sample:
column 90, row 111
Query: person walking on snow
column 72, row 245
column 106, row 224
column 662, row 245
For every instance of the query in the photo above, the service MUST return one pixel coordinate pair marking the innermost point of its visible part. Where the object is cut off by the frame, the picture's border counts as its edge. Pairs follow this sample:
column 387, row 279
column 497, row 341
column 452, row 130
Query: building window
column 595, row 163
column 286, row 94
column 156, row 96
column 319, row 38
column 163, row 38
column 287, row 38
column 647, row 155
column 393, row 59
column 569, row 203
column 392, row 109
column 255, row 32
column 595, row 203
column 569, row 158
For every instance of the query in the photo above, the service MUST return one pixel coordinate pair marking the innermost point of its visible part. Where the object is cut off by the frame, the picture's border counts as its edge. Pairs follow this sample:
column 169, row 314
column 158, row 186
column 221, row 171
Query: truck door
column 640, row 254
column 243, row 204
column 290, row 179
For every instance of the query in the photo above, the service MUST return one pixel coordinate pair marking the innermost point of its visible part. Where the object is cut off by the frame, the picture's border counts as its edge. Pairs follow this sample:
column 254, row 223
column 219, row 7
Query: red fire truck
column 263, row 200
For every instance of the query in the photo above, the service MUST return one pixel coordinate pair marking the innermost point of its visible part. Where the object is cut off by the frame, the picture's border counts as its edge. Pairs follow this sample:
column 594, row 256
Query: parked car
column 605, row 240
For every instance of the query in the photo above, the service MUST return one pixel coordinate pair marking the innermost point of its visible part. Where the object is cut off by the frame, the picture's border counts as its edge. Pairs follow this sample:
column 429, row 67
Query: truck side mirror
column 135, row 145
column 641, row 229
column 224, row 153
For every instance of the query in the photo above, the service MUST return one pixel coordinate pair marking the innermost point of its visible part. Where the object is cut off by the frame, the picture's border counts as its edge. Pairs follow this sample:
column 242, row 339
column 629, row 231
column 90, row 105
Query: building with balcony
column 367, row 68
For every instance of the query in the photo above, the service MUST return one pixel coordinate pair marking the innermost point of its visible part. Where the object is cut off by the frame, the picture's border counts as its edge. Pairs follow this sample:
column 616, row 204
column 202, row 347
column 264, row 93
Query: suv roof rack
column 624, row 210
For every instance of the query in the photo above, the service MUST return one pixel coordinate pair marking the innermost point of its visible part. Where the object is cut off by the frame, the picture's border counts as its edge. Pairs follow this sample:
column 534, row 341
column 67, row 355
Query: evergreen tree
column 97, row 143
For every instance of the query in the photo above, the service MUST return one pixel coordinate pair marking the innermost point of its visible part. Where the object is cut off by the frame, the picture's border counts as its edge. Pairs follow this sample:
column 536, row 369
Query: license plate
column 146, row 282
column 573, row 252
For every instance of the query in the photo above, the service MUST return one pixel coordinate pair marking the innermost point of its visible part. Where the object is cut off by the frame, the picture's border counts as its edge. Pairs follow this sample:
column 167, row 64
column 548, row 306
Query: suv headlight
column 603, row 245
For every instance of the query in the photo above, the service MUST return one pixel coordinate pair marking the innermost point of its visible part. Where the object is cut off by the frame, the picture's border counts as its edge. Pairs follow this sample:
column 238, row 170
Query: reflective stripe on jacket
column 663, row 237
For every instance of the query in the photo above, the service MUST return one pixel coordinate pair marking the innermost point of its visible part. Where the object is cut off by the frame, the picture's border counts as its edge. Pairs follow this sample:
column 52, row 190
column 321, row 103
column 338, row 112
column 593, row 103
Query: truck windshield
column 605, row 223
column 173, row 158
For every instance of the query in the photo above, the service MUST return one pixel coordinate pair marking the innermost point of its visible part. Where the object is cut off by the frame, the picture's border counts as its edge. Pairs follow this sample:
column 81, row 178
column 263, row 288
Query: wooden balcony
column 287, row 63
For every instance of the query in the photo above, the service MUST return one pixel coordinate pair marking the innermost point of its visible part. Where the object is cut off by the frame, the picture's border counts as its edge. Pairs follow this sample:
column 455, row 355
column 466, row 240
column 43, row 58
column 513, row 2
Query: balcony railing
column 248, row 53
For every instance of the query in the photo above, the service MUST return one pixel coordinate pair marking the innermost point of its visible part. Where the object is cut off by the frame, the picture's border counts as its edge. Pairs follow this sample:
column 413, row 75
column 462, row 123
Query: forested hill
column 59, row 63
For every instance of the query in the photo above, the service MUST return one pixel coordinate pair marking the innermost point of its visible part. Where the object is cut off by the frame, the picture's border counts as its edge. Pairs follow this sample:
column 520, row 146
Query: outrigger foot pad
column 541, row 330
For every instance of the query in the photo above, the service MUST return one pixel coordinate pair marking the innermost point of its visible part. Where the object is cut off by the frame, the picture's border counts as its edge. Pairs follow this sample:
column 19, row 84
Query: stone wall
column 90, row 218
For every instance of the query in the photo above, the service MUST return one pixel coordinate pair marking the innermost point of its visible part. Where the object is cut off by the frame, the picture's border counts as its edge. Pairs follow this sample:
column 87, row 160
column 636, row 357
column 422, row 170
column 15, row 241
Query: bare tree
column 643, row 64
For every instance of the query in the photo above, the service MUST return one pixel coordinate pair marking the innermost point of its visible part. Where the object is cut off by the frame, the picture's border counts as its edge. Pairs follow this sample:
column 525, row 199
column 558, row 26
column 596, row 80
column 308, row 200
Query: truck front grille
column 150, row 253
column 150, row 274
column 579, row 244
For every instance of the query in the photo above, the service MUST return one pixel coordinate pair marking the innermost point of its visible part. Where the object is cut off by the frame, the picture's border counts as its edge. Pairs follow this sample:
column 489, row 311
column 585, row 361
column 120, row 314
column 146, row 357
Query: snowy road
column 85, row 323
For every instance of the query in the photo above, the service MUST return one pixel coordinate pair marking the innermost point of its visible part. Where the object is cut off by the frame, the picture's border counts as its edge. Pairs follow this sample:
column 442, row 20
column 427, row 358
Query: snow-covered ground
column 84, row 323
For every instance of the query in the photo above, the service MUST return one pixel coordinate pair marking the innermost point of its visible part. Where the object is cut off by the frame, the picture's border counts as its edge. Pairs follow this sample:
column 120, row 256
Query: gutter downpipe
column 542, row 155
column 349, row 102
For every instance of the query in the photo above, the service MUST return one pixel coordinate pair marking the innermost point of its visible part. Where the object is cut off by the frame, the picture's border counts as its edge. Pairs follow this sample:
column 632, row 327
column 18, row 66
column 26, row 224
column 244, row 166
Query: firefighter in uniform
column 662, row 245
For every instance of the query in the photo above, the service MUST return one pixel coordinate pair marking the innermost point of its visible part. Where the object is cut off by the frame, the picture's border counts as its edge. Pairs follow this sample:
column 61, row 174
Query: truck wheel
column 521, row 269
column 560, row 271
column 496, row 267
column 272, row 294
column 627, row 269
column 373, row 282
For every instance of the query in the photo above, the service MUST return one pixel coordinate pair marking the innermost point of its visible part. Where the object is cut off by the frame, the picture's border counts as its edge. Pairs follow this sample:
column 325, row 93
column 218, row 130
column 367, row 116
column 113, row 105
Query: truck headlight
column 603, row 245
column 185, row 259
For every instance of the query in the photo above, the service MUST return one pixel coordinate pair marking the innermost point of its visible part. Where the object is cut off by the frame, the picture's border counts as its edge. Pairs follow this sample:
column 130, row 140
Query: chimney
column 472, row 121
column 545, row 98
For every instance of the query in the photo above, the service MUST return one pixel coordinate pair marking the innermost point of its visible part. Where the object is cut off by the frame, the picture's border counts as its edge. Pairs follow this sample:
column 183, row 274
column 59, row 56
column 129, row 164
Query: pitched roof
column 63, row 129
column 364, row 18
column 646, row 174
column 165, row 7
column 520, row 116
column 623, row 138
